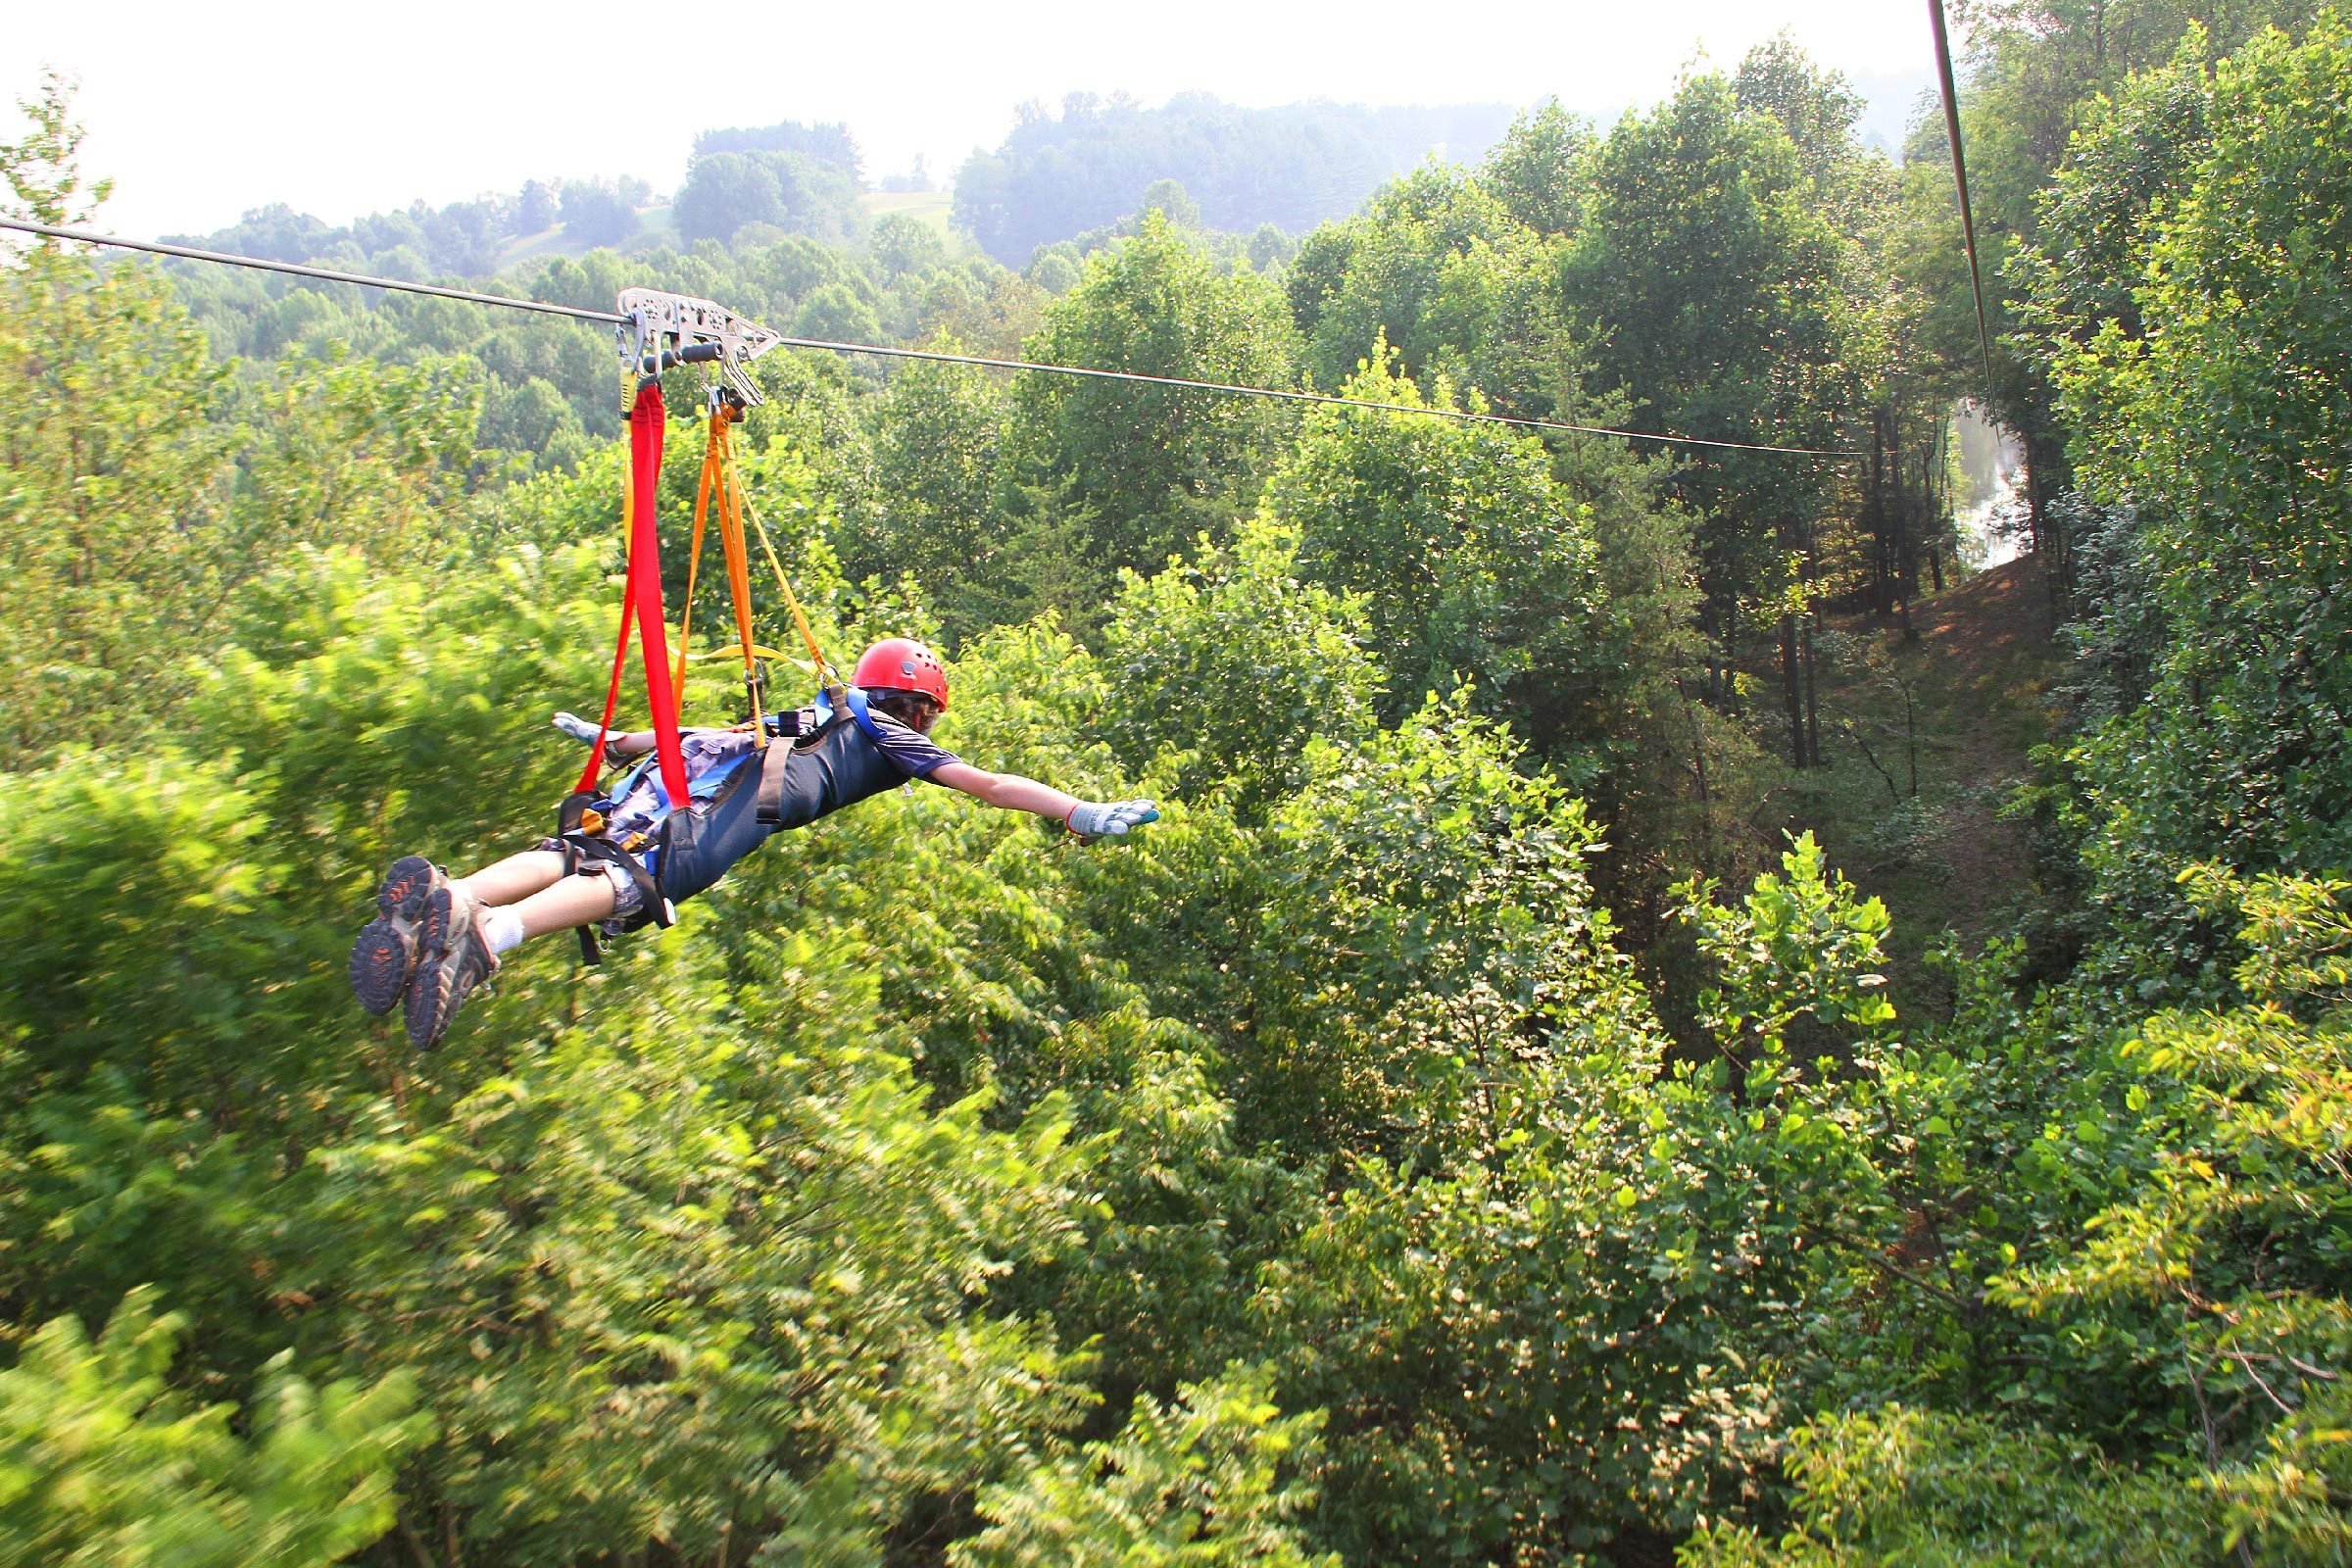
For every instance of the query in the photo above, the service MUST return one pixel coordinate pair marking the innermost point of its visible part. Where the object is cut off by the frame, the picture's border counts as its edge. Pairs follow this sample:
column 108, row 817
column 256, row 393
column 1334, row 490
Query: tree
column 1718, row 293
column 593, row 213
column 1233, row 664
column 826, row 143
column 2034, row 68
column 1536, row 169
column 905, row 246
column 1471, row 560
column 2217, row 431
column 535, row 208
column 1167, row 198
column 1144, row 468
column 1438, row 270
column 1207, row 1480
column 933, row 512
column 724, row 191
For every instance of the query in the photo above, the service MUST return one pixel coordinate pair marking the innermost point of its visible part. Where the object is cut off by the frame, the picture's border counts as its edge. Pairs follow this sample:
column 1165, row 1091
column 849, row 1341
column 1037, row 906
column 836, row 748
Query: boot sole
column 385, row 954
column 425, row 1006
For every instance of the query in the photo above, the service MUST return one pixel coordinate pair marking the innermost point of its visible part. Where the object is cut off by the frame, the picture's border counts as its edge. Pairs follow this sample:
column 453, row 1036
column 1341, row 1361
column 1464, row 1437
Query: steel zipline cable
column 613, row 319
column 1968, row 217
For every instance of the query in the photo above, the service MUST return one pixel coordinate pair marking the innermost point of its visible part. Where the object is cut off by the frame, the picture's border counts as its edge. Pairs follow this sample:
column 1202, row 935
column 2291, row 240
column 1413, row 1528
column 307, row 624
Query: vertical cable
column 1968, row 220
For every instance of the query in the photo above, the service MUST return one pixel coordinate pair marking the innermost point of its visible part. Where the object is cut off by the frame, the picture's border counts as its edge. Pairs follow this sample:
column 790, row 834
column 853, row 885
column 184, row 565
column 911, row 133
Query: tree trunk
column 1882, row 551
column 1906, row 541
column 1935, row 508
column 1790, row 691
column 1812, row 705
column 1699, row 766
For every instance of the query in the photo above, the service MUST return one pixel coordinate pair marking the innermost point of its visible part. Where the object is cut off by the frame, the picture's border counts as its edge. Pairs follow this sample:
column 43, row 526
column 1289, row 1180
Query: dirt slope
column 1977, row 670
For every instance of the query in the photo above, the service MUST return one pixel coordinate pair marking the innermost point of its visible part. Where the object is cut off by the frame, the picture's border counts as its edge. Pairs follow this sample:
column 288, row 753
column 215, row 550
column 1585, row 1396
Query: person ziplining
column 698, row 800
column 435, row 938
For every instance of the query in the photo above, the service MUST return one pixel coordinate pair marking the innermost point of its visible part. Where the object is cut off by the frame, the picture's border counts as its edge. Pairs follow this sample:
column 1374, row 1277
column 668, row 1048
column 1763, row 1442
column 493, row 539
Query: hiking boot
column 452, row 958
column 385, row 954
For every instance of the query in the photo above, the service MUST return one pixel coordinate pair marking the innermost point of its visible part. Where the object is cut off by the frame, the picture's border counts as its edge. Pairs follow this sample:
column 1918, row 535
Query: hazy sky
column 200, row 111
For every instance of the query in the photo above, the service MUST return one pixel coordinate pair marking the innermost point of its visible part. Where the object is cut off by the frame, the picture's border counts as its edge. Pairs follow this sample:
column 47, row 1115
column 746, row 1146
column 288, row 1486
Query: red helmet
column 902, row 665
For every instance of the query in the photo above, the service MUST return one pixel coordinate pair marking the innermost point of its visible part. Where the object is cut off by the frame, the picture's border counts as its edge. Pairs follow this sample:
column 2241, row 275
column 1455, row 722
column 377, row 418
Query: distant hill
column 801, row 179
column 1060, row 175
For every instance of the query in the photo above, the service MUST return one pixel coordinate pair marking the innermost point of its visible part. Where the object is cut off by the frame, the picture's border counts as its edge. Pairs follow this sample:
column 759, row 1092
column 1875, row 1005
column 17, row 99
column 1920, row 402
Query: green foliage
column 1468, row 557
column 1438, row 268
column 100, row 1463
column 1610, row 1272
column 1716, row 287
column 1233, row 664
column 128, row 520
column 2211, row 1269
column 2217, row 431
column 937, row 431
column 1200, row 1482
column 724, row 191
column 807, row 1232
column 1533, row 169
column 1141, row 470
column 789, row 190
column 1914, row 1488
column 596, row 212
column 1808, row 944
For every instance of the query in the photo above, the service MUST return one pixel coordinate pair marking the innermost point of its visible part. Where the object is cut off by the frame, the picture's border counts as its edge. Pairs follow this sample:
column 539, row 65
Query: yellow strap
column 759, row 651
column 828, row 676
column 718, row 478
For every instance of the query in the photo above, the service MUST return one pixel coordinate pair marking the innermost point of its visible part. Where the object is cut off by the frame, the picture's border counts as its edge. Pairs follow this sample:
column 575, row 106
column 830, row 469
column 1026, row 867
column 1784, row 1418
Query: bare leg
column 515, row 877
column 573, row 901
column 537, row 887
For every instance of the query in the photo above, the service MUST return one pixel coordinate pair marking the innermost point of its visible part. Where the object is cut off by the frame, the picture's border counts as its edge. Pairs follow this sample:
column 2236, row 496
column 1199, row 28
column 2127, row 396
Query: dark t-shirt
column 838, row 768
column 844, row 765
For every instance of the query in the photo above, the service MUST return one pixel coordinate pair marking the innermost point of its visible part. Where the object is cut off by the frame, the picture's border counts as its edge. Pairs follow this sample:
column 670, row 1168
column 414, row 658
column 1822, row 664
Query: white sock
column 502, row 929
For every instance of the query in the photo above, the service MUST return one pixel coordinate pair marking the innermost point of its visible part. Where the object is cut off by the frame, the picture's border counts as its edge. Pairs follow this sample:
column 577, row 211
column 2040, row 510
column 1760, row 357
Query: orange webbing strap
column 739, row 565
column 718, row 476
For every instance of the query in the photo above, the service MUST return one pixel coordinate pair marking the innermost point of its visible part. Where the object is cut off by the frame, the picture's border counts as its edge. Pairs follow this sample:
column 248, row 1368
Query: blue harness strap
column 855, row 701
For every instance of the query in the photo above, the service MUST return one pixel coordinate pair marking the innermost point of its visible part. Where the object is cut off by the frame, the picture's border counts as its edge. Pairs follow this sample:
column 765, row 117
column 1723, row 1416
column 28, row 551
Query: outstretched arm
column 620, row 742
column 1012, row 793
column 1008, row 792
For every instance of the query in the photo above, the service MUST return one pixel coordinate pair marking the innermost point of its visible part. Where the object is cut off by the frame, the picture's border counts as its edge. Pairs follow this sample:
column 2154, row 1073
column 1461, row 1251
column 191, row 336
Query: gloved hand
column 578, row 728
column 1090, row 821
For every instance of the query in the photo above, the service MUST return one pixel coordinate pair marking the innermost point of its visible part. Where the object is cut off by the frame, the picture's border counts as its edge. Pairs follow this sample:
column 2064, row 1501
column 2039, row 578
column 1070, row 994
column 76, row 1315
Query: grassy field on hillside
column 932, row 206
column 652, row 223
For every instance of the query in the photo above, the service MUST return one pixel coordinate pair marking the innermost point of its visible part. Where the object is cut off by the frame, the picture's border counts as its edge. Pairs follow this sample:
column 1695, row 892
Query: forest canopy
column 1676, row 1012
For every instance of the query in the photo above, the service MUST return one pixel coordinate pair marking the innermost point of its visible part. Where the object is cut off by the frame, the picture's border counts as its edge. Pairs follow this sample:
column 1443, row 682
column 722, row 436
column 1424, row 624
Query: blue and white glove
column 578, row 728
column 1091, row 821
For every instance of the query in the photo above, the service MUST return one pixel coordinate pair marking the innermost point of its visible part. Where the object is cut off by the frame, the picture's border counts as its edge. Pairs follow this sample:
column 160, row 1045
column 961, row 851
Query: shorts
column 701, row 846
column 627, row 897
column 698, row 847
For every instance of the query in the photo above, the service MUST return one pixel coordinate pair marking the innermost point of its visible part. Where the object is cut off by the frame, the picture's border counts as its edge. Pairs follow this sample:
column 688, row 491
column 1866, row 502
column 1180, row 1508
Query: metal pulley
column 660, row 330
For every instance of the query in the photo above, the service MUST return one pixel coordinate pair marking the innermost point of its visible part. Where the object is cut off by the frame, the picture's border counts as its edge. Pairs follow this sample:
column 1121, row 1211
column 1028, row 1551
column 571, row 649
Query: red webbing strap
column 645, row 585
column 620, row 648
column 643, row 601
